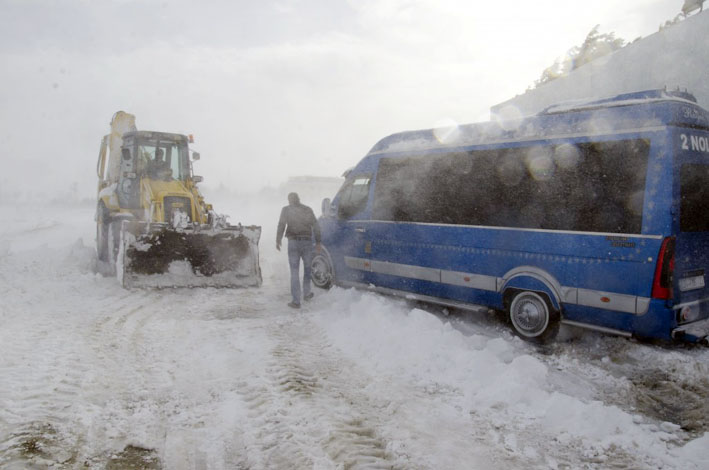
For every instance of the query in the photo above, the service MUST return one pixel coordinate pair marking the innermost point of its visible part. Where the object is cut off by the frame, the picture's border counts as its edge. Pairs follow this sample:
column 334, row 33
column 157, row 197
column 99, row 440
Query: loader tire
column 113, row 239
column 102, row 221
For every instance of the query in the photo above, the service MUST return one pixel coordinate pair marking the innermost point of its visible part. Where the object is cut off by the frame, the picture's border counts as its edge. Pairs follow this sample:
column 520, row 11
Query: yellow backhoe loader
column 153, row 226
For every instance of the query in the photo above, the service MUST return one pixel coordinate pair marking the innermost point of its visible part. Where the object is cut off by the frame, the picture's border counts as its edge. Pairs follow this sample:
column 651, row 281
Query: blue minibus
column 593, row 214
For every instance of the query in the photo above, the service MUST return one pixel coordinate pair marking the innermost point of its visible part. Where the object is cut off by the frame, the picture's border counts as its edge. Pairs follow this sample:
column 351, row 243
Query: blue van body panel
column 592, row 278
column 596, row 261
column 657, row 322
column 692, row 248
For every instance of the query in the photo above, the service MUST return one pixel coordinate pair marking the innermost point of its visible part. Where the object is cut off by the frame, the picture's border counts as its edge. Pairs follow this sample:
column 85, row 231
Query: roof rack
column 625, row 99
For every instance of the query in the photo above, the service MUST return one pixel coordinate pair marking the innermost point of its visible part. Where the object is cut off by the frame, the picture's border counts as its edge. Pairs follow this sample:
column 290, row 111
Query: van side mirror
column 327, row 207
column 197, row 179
column 195, row 156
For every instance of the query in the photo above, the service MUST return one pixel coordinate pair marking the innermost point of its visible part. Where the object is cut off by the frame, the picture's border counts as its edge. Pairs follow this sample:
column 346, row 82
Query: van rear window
column 590, row 187
column 694, row 198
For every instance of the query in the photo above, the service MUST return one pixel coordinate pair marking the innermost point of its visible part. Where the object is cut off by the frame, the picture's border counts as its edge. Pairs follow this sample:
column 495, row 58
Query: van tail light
column 662, row 284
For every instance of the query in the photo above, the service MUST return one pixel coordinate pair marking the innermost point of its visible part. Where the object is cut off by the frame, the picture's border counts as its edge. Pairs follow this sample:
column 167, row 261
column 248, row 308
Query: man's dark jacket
column 300, row 222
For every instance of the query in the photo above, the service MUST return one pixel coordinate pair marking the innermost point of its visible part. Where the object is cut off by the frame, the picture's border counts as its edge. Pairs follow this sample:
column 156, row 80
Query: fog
column 270, row 89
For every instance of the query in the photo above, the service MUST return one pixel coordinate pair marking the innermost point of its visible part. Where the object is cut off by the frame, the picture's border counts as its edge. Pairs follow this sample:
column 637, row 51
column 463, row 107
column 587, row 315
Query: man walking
column 300, row 226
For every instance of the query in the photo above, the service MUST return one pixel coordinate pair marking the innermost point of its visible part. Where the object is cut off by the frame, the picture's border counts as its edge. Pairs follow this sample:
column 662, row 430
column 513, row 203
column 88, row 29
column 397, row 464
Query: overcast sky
column 270, row 89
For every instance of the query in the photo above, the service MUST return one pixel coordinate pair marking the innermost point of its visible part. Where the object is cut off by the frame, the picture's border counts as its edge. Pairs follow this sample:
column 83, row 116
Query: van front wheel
column 323, row 276
column 532, row 317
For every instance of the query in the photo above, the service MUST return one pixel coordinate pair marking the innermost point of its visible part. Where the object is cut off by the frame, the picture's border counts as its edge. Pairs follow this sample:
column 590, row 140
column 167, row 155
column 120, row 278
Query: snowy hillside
column 675, row 57
column 94, row 376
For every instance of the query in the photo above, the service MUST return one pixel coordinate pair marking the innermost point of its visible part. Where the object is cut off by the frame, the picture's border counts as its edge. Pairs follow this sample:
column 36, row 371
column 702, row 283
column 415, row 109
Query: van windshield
column 353, row 196
column 694, row 198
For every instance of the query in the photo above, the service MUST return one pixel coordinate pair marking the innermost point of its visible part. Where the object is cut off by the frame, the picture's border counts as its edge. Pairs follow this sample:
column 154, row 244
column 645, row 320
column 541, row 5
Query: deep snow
column 94, row 376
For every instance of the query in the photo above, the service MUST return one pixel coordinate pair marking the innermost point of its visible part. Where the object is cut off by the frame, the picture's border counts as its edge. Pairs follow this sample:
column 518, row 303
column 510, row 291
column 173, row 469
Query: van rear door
column 691, row 262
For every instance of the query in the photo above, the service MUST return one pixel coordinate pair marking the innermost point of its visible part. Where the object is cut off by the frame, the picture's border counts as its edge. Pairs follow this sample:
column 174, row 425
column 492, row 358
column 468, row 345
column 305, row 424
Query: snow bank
column 492, row 374
column 696, row 451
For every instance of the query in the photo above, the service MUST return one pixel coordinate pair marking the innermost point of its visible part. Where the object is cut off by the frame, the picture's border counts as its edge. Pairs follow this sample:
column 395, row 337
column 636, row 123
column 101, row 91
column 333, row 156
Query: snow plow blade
column 158, row 255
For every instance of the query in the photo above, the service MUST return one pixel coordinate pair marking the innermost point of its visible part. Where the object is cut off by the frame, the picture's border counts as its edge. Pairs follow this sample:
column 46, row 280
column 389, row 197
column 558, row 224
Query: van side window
column 592, row 187
column 353, row 196
column 694, row 198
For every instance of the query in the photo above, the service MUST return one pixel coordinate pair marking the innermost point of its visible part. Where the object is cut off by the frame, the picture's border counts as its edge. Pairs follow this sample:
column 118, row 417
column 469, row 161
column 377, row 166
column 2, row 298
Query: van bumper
column 695, row 332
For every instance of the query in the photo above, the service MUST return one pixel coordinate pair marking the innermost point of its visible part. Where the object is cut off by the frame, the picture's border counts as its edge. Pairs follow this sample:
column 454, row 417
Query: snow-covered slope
column 94, row 376
column 677, row 56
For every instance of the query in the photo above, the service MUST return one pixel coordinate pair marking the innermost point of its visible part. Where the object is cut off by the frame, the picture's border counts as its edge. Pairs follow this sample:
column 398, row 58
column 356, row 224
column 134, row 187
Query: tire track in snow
column 128, row 380
column 41, row 391
column 305, row 409
column 70, row 356
column 304, row 369
column 311, row 370
column 157, row 342
column 73, row 358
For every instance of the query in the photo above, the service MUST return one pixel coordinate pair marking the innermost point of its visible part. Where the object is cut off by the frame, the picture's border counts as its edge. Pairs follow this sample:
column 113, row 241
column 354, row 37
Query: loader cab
column 157, row 156
column 153, row 151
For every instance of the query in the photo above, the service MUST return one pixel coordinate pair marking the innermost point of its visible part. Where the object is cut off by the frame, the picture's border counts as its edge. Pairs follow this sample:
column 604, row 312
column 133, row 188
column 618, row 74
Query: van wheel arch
column 532, row 278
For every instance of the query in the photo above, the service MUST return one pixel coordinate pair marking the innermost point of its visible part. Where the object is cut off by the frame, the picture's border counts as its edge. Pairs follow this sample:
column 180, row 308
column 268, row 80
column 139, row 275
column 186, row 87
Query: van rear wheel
column 532, row 317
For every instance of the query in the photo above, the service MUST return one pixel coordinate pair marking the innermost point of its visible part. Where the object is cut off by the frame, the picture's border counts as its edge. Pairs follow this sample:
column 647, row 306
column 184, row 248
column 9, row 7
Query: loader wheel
column 102, row 234
column 322, row 274
column 113, row 240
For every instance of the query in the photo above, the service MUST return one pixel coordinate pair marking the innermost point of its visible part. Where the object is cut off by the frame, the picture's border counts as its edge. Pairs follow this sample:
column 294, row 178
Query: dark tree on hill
column 691, row 5
column 594, row 46
column 598, row 45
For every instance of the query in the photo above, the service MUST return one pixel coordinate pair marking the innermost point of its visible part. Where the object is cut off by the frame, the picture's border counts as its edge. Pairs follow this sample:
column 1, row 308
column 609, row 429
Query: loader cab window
column 163, row 160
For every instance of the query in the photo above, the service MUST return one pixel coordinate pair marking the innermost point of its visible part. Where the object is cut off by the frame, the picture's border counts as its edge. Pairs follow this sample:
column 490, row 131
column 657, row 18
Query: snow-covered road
column 94, row 376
